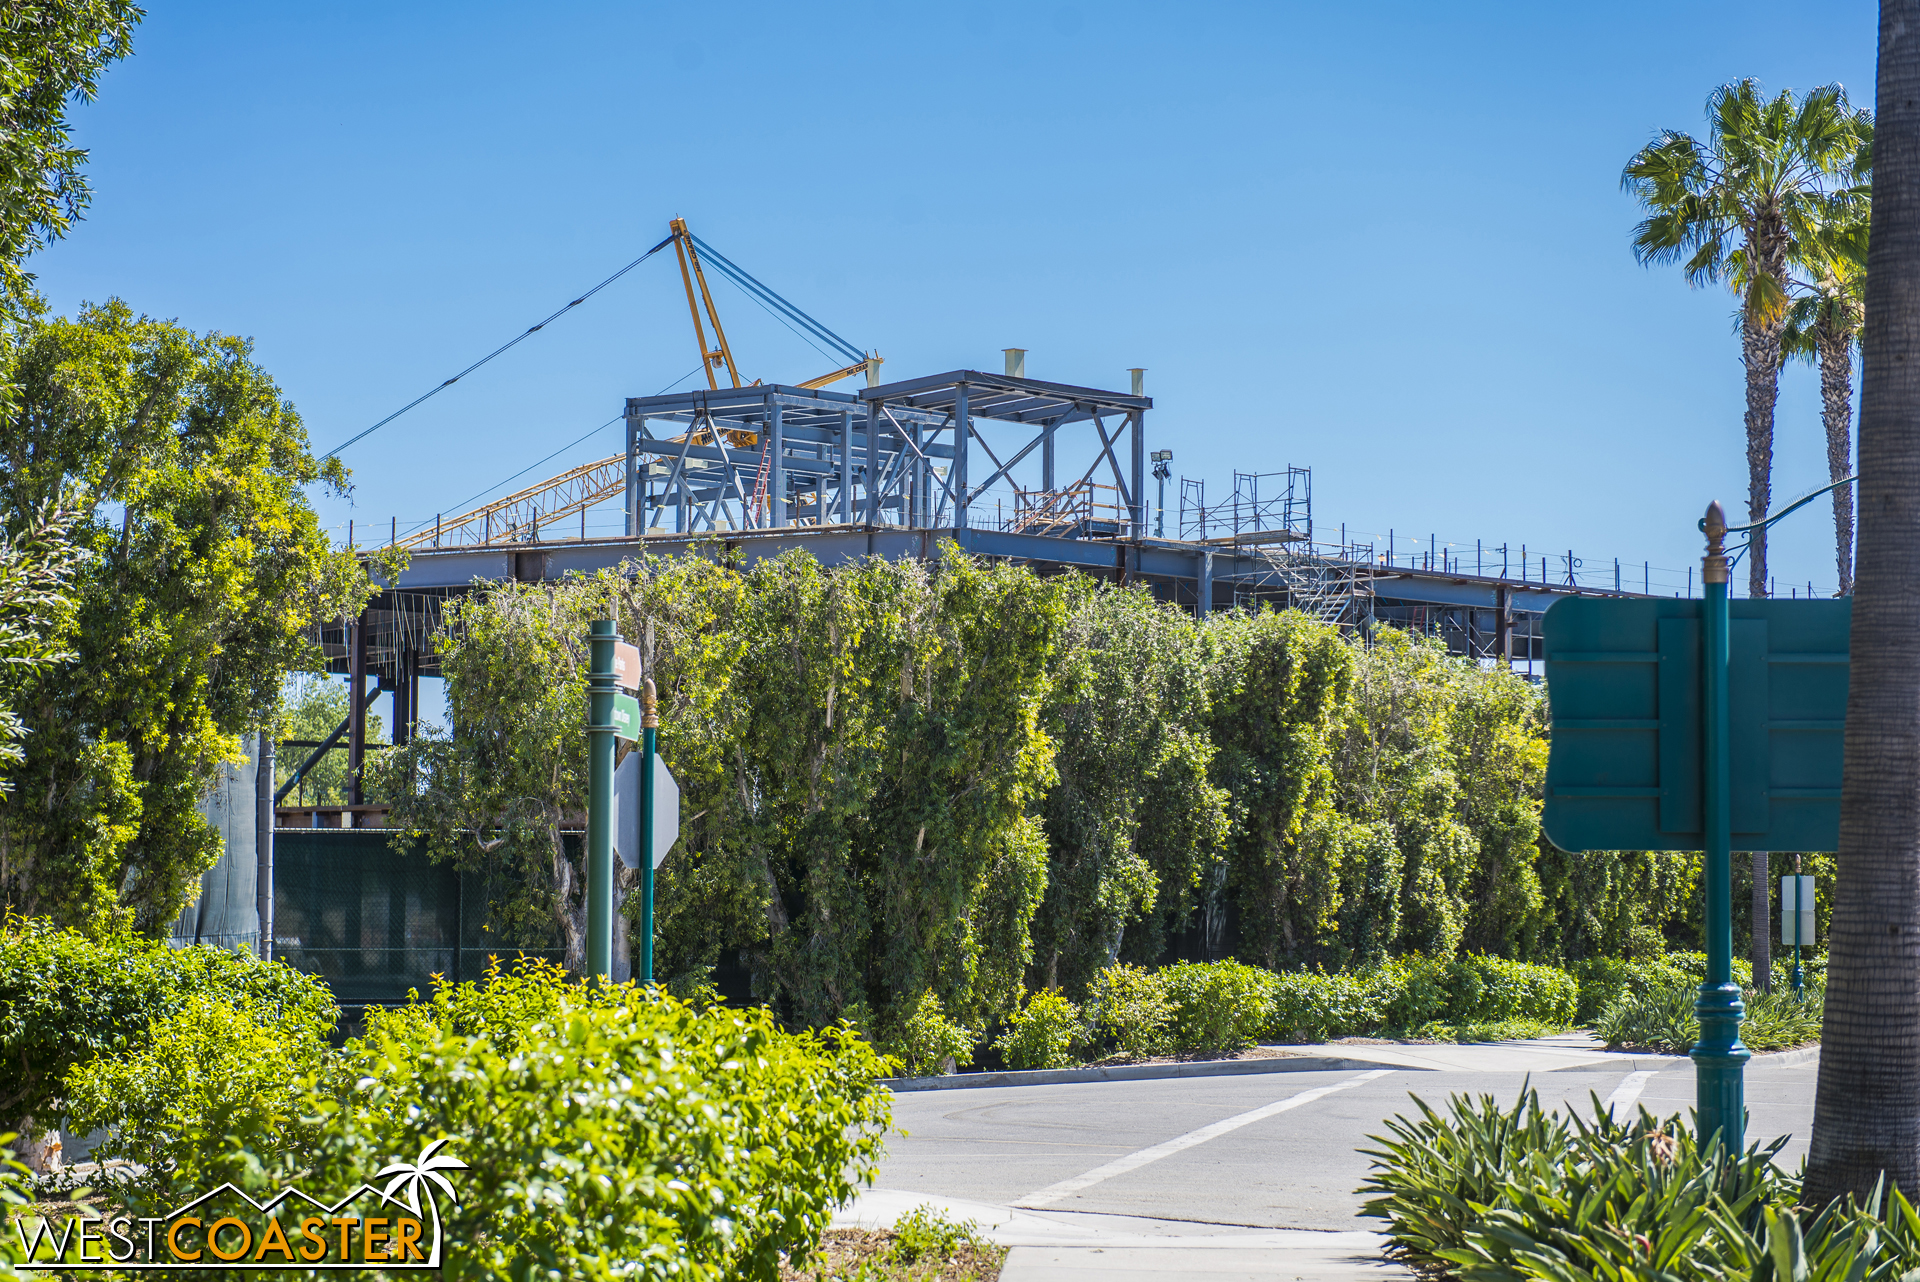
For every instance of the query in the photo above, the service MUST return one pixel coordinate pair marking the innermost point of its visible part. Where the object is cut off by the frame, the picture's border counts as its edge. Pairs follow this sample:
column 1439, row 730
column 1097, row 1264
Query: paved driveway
column 1197, row 1177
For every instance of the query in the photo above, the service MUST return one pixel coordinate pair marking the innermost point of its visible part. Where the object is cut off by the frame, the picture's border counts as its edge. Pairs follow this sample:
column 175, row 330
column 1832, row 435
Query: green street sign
column 1624, row 692
column 626, row 716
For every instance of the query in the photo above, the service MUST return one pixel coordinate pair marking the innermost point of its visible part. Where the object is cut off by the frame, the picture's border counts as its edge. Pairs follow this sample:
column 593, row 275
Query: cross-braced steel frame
column 918, row 454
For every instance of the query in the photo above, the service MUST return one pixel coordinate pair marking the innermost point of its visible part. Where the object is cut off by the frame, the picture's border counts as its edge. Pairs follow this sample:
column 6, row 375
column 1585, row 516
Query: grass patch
column 922, row 1246
column 1500, row 1030
column 1662, row 1019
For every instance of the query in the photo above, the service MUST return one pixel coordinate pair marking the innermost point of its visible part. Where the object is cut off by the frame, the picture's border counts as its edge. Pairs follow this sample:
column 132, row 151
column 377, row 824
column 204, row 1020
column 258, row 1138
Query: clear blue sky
column 1385, row 241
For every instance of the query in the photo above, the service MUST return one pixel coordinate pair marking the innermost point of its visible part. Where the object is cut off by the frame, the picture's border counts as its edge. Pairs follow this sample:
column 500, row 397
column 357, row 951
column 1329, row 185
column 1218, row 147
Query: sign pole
column 1719, row 1058
column 601, row 639
column 649, row 744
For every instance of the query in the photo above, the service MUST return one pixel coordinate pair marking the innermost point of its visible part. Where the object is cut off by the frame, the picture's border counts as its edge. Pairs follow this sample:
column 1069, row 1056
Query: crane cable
column 530, row 331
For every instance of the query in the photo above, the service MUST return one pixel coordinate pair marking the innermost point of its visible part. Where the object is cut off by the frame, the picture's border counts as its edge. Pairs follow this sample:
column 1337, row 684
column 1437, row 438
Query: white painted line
column 1134, row 1161
column 1627, row 1093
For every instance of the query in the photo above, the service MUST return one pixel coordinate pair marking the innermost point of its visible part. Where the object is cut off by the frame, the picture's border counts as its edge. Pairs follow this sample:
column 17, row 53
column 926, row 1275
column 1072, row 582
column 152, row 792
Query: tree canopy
column 962, row 779
column 51, row 54
column 202, row 567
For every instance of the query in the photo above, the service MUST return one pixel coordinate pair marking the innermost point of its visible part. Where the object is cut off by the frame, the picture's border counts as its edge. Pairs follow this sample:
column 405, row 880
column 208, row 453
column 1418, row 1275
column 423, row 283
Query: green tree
column 37, row 563
column 1280, row 688
column 1866, row 1112
column 860, row 752
column 204, row 566
column 51, row 53
column 500, row 788
column 1739, row 207
column 1824, row 327
column 1134, row 823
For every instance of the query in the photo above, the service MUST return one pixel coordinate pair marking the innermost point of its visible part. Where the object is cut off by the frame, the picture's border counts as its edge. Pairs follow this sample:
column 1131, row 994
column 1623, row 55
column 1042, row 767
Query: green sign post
column 601, row 731
column 1690, row 725
column 649, row 745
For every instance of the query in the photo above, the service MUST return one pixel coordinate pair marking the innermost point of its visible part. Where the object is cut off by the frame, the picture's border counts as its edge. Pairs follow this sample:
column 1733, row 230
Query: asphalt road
column 1187, row 1149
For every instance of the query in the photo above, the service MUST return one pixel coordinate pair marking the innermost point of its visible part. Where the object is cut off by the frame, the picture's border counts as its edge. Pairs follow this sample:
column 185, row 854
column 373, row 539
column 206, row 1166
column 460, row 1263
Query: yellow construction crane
column 719, row 355
column 523, row 516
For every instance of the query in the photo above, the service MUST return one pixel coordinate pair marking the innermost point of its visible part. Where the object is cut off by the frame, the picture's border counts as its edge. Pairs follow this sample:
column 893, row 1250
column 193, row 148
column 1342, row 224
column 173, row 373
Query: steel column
column 356, row 709
column 635, row 523
column 777, row 467
column 873, row 462
column 1046, row 457
column 1205, row 603
column 263, row 842
column 962, row 430
column 846, row 467
column 1138, row 471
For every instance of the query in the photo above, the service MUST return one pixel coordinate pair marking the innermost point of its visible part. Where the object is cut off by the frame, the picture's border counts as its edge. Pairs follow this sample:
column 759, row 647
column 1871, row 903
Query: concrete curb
column 1284, row 1064
column 1785, row 1059
column 1760, row 1059
column 1138, row 1072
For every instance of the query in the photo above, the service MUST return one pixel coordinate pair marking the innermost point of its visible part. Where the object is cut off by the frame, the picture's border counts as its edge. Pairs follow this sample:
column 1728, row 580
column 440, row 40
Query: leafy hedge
column 67, row 1000
column 1405, row 994
column 597, row 1122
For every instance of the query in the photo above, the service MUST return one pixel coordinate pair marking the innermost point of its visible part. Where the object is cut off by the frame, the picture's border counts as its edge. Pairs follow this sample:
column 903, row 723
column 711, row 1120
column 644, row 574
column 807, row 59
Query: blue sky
column 1386, row 242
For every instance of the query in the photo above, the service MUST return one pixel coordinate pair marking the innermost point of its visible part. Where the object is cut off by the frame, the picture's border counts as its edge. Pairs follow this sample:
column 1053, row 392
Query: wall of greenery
column 963, row 778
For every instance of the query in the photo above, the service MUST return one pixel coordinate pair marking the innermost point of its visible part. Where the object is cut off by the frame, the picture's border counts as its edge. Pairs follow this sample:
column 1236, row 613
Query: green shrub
column 13, row 1201
column 66, row 1000
column 1663, row 1019
column 1603, row 980
column 928, row 1039
column 608, row 1123
column 1218, row 1006
column 1412, row 994
column 1043, row 1033
column 209, row 1088
column 925, row 1233
column 1131, row 1010
column 1312, row 1006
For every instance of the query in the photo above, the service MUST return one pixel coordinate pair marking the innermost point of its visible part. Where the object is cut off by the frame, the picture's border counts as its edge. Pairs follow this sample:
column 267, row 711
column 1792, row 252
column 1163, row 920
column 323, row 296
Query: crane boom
column 720, row 356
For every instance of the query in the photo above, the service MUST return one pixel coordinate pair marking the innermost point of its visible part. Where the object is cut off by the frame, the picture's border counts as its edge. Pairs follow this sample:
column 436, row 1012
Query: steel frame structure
column 913, row 454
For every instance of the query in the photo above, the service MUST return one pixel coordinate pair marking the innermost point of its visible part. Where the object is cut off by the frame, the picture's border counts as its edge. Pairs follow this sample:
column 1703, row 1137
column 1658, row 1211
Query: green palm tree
column 1735, row 209
column 1866, row 1109
column 1823, row 328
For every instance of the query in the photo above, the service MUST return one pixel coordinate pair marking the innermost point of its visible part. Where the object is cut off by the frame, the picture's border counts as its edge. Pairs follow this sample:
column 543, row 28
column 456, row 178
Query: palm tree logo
column 423, row 1173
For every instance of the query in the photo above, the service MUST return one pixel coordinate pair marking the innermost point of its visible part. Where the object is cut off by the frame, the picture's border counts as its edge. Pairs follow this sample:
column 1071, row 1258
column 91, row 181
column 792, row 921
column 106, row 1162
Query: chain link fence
column 375, row 922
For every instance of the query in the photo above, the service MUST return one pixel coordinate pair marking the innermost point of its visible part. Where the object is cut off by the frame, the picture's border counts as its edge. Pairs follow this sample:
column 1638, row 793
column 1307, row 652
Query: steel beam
column 962, row 431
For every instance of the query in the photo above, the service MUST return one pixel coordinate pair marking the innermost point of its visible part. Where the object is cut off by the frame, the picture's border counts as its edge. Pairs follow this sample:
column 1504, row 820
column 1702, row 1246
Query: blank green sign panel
column 1624, row 692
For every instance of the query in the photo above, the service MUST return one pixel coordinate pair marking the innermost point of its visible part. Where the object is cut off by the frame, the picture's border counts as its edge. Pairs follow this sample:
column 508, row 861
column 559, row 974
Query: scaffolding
column 1265, row 507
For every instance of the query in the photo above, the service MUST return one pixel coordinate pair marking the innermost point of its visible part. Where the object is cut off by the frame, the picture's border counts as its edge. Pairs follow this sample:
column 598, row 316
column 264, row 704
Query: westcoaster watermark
column 396, row 1229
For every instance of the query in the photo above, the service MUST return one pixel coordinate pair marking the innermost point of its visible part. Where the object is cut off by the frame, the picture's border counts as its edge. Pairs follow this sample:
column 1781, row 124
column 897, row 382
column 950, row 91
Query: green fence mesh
column 375, row 922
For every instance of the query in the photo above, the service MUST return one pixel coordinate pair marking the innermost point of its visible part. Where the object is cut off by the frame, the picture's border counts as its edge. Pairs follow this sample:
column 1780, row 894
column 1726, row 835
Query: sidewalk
column 1052, row 1245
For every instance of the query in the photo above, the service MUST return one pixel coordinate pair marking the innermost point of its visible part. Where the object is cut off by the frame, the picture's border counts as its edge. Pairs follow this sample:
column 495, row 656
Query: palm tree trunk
column 1834, row 340
column 1760, row 346
column 1761, row 953
column 1866, row 1113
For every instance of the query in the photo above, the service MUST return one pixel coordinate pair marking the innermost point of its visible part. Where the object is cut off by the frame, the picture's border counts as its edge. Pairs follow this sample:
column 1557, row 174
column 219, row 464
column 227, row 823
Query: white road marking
column 1627, row 1093
column 1133, row 1161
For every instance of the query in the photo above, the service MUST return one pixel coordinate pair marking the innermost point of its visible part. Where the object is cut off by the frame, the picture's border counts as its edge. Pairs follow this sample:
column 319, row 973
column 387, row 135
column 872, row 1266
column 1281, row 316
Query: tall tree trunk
column 1761, row 954
column 1760, row 346
column 1834, row 338
column 1866, row 1111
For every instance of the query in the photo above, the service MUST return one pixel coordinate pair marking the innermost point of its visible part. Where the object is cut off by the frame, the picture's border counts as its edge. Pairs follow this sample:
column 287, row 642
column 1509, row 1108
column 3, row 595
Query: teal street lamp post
column 1719, row 1058
column 601, row 640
